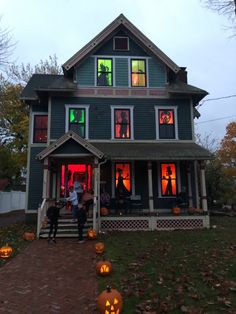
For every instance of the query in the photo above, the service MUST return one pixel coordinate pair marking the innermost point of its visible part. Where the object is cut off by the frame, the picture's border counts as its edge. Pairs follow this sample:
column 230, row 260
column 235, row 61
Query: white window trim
column 113, row 177
column 130, row 71
column 177, row 178
column 114, row 48
column 86, row 107
column 113, row 70
column 37, row 113
column 157, row 122
column 131, row 108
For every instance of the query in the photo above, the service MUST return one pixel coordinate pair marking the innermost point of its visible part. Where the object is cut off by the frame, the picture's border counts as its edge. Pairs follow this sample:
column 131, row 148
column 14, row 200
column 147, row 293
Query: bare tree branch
column 7, row 46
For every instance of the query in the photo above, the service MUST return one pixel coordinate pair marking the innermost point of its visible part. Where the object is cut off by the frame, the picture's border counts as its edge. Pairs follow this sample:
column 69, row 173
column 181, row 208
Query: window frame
column 67, row 124
column 175, row 110
column 177, row 180
column 131, row 174
column 34, row 114
column 146, row 71
column 112, row 70
column 114, row 43
column 120, row 107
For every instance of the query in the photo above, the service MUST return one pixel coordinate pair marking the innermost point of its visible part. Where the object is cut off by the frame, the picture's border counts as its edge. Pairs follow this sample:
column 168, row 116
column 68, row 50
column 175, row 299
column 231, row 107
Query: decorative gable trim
column 103, row 35
column 66, row 137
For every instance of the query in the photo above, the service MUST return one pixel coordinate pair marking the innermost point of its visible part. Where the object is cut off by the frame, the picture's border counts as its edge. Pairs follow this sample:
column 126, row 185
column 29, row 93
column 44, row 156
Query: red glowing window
column 168, row 180
column 123, row 178
column 40, row 129
column 166, row 120
column 122, row 123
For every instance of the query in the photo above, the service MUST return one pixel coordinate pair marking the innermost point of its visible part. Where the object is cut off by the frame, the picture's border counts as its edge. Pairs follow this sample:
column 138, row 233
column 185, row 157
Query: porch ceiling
column 153, row 151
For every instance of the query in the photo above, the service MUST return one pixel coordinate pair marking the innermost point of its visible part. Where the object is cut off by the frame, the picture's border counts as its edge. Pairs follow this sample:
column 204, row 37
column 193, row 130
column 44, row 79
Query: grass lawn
column 175, row 272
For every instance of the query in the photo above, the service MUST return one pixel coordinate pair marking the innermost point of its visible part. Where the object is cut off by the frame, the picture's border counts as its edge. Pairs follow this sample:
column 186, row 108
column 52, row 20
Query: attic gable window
column 40, row 130
column 138, row 72
column 121, row 43
column 104, row 72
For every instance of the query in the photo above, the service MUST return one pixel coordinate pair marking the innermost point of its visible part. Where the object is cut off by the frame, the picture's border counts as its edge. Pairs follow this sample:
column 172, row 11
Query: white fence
column 13, row 200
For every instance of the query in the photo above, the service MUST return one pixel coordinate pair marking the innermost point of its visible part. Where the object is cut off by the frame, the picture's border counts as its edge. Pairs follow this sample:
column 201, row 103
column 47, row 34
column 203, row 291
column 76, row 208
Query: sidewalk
column 47, row 278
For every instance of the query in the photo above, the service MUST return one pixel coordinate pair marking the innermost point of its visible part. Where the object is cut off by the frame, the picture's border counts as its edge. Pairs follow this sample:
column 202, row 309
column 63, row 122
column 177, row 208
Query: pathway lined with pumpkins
column 48, row 278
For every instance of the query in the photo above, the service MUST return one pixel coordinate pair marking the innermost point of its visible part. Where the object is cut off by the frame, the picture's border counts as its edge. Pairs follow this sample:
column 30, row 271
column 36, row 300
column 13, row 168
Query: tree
column 6, row 46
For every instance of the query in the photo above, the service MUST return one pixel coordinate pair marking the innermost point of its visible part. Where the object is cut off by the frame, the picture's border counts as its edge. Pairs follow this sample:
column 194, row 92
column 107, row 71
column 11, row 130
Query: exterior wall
column 100, row 116
column 157, row 73
column 85, row 73
column 121, row 72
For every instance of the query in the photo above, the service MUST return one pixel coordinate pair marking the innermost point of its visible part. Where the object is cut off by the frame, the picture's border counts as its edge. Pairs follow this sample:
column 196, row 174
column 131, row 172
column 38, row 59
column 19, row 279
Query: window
column 104, row 72
column 40, row 133
column 138, row 72
column 168, row 179
column 121, row 43
column 122, row 123
column 123, row 178
column 77, row 121
column 166, row 123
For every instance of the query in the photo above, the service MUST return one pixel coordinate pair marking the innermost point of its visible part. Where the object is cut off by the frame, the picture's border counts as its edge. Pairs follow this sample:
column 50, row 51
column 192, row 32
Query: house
column 121, row 116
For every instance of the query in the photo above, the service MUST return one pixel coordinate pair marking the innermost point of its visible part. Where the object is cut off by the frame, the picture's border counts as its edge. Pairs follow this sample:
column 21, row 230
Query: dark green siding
column 100, row 116
column 71, row 147
column 121, row 72
column 85, row 73
column 157, row 75
column 35, row 179
column 40, row 107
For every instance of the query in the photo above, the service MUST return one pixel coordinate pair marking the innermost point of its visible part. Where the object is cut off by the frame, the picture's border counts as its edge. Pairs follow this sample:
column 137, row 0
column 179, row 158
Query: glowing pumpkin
column 99, row 247
column 176, row 210
column 29, row 236
column 110, row 302
column 103, row 268
column 104, row 211
column 6, row 251
column 91, row 234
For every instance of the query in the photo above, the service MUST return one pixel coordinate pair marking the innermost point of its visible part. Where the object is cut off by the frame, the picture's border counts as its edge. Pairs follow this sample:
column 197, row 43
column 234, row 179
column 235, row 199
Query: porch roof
column 153, row 151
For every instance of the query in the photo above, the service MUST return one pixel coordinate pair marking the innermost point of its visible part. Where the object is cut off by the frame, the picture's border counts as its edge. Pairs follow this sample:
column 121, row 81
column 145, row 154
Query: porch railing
column 41, row 215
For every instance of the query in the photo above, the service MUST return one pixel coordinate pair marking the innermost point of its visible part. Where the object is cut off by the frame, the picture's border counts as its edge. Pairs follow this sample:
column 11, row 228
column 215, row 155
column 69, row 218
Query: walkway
column 48, row 278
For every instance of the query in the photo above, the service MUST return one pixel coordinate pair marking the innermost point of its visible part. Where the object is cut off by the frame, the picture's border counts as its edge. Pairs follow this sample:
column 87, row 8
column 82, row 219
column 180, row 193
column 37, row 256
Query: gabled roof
column 107, row 32
column 66, row 137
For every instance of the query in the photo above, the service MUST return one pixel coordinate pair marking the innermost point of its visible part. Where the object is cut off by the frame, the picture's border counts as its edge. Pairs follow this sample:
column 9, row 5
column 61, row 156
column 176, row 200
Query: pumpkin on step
column 6, row 251
column 110, row 302
column 104, row 211
column 29, row 236
column 176, row 210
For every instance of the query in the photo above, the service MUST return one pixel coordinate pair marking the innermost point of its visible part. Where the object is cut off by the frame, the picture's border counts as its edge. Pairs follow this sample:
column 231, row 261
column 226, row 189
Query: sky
column 186, row 31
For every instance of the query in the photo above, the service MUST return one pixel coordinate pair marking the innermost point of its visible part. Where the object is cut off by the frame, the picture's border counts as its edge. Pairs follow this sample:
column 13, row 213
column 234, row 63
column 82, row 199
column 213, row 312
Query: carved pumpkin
column 99, row 247
column 103, row 268
column 29, row 236
column 110, row 302
column 176, row 210
column 91, row 234
column 6, row 251
column 104, row 211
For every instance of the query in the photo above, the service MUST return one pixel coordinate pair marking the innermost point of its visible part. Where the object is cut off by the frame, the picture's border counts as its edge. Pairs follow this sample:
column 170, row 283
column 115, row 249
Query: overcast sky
column 188, row 33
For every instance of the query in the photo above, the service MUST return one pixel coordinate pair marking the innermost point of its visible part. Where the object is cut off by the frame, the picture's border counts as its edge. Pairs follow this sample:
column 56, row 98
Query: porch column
column 203, row 186
column 196, row 183
column 150, row 189
column 95, row 200
column 190, row 193
column 45, row 178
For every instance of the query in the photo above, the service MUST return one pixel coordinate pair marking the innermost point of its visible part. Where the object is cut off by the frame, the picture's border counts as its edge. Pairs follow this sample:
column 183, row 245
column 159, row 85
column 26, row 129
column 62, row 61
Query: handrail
column 41, row 215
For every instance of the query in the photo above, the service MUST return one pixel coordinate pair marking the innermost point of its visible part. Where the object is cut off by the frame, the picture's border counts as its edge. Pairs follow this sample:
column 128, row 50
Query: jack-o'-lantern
column 99, row 247
column 110, row 302
column 29, row 236
column 103, row 268
column 104, row 211
column 176, row 210
column 6, row 251
column 91, row 234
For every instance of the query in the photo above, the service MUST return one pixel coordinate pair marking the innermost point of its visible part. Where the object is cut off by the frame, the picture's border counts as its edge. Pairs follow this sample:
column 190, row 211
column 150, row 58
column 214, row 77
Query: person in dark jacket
column 82, row 218
column 53, row 214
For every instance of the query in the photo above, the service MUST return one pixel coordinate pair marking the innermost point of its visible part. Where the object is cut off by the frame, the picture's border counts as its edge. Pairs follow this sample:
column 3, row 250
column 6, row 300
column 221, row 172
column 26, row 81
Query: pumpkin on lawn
column 99, row 247
column 29, row 236
column 91, row 234
column 176, row 210
column 110, row 302
column 103, row 268
column 6, row 251
column 104, row 211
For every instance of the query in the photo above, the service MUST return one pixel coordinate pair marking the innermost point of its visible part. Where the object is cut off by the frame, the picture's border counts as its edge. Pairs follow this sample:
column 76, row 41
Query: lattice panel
column 125, row 225
column 167, row 224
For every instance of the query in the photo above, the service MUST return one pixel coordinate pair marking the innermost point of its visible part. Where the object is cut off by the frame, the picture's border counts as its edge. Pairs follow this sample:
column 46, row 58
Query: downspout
column 98, row 205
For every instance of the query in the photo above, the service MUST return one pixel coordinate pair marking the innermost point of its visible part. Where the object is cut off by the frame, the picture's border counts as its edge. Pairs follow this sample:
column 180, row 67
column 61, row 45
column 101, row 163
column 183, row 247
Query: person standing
column 82, row 218
column 74, row 203
column 53, row 213
column 78, row 187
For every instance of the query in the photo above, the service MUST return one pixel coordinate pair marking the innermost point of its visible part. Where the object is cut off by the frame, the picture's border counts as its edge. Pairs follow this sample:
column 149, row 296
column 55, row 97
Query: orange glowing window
column 168, row 180
column 166, row 119
column 138, row 72
column 123, row 178
column 122, row 123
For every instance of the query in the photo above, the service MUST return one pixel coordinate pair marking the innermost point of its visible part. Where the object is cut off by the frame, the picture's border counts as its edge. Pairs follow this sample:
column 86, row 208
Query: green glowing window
column 138, row 73
column 104, row 72
column 77, row 120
